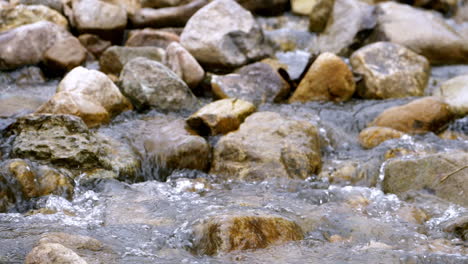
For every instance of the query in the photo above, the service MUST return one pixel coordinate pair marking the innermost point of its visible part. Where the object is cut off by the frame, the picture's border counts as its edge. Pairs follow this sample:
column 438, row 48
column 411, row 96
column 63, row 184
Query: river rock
column 373, row 136
column 220, row 117
column 268, row 145
column 265, row 7
column 320, row 14
column 426, row 33
column 53, row 253
column 64, row 55
column 65, row 141
column 180, row 61
column 458, row 225
column 223, row 34
column 350, row 23
column 455, row 93
column 167, row 17
column 445, row 174
column 131, row 6
column 257, row 83
column 114, row 58
column 94, row 44
column 54, row 4
column 88, row 17
column 88, row 94
column 229, row 232
column 149, row 83
column 29, row 44
column 427, row 114
column 15, row 16
column 161, row 3
column 462, row 13
column 390, row 71
column 328, row 79
column 151, row 37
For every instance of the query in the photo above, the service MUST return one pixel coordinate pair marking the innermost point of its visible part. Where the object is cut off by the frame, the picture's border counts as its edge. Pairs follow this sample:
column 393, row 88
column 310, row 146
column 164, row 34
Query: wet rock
column 94, row 44
column 180, row 61
column 426, row 33
column 427, row 114
column 114, row 58
column 268, row 145
column 328, row 79
column 444, row 174
column 225, row 233
column 72, row 241
column 88, row 94
column 131, row 6
column 15, row 16
column 161, row 3
column 373, row 136
column 390, row 71
column 88, row 17
column 148, row 83
column 320, row 14
column 29, row 44
column 220, row 117
column 168, row 16
column 257, row 83
column 65, row 141
column 223, row 34
column 455, row 93
column 349, row 25
column 54, row 4
column 65, row 54
column 18, row 105
column 151, row 37
column 458, row 225
column 265, row 7
column 53, row 253
column 296, row 62
column 24, row 75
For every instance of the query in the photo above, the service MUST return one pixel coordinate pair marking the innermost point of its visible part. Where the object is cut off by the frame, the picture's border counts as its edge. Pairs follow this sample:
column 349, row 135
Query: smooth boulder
column 223, row 34
column 268, row 145
column 180, row 61
column 114, row 58
column 390, row 70
column 455, row 93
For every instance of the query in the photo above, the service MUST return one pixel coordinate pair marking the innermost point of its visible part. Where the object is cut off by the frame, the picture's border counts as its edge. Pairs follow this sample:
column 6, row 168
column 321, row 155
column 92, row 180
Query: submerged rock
column 225, row 233
column 149, row 83
column 15, row 16
column 427, row 114
column 161, row 3
column 455, row 93
column 114, row 58
column 373, row 136
column 390, row 71
column 53, row 253
column 444, row 174
column 328, row 79
column 220, row 117
column 223, row 34
column 268, row 145
column 257, row 83
column 180, row 61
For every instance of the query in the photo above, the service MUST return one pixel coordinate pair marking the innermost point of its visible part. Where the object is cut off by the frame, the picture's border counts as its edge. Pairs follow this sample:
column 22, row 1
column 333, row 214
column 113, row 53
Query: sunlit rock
column 15, row 16
column 223, row 34
column 225, row 233
column 390, row 71
column 220, row 117
column 257, row 83
column 373, row 136
column 427, row 114
column 149, row 83
column 268, row 145
column 53, row 253
column 180, row 61
column 445, row 174
column 455, row 93
column 114, row 58
column 328, row 79
column 458, row 226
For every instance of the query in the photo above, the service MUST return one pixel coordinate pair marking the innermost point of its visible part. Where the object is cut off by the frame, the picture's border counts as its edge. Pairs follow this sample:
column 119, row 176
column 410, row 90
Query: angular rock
column 114, row 58
column 268, row 145
column 180, row 61
column 446, row 174
column 148, row 83
column 225, row 233
column 373, row 136
column 168, row 16
column 151, row 37
column 53, row 253
column 320, row 14
column 265, row 7
column 64, row 55
column 426, row 33
column 15, row 16
column 328, row 79
column 257, row 83
column 94, row 44
column 88, row 94
column 223, row 34
column 390, row 71
column 350, row 23
column 427, row 114
column 455, row 93
column 220, row 117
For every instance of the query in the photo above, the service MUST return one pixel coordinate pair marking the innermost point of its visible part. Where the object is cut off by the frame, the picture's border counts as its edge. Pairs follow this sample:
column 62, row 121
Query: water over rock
column 374, row 136
column 15, row 16
column 114, row 58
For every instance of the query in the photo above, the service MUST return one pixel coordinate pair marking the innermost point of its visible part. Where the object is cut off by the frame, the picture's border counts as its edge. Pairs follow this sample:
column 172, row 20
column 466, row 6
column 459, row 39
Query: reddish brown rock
column 373, row 136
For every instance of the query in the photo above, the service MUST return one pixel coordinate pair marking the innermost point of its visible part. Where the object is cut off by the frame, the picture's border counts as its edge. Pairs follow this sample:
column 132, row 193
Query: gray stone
column 180, row 61
column 54, row 4
column 149, row 83
column 390, row 71
column 320, row 14
column 114, row 58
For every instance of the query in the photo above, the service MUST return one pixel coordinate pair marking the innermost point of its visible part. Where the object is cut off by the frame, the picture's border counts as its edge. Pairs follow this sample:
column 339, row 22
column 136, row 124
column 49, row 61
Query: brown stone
column 65, row 54
column 53, row 253
column 328, row 79
column 94, row 44
column 151, row 37
column 423, row 115
column 373, row 136
column 319, row 14
column 180, row 61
